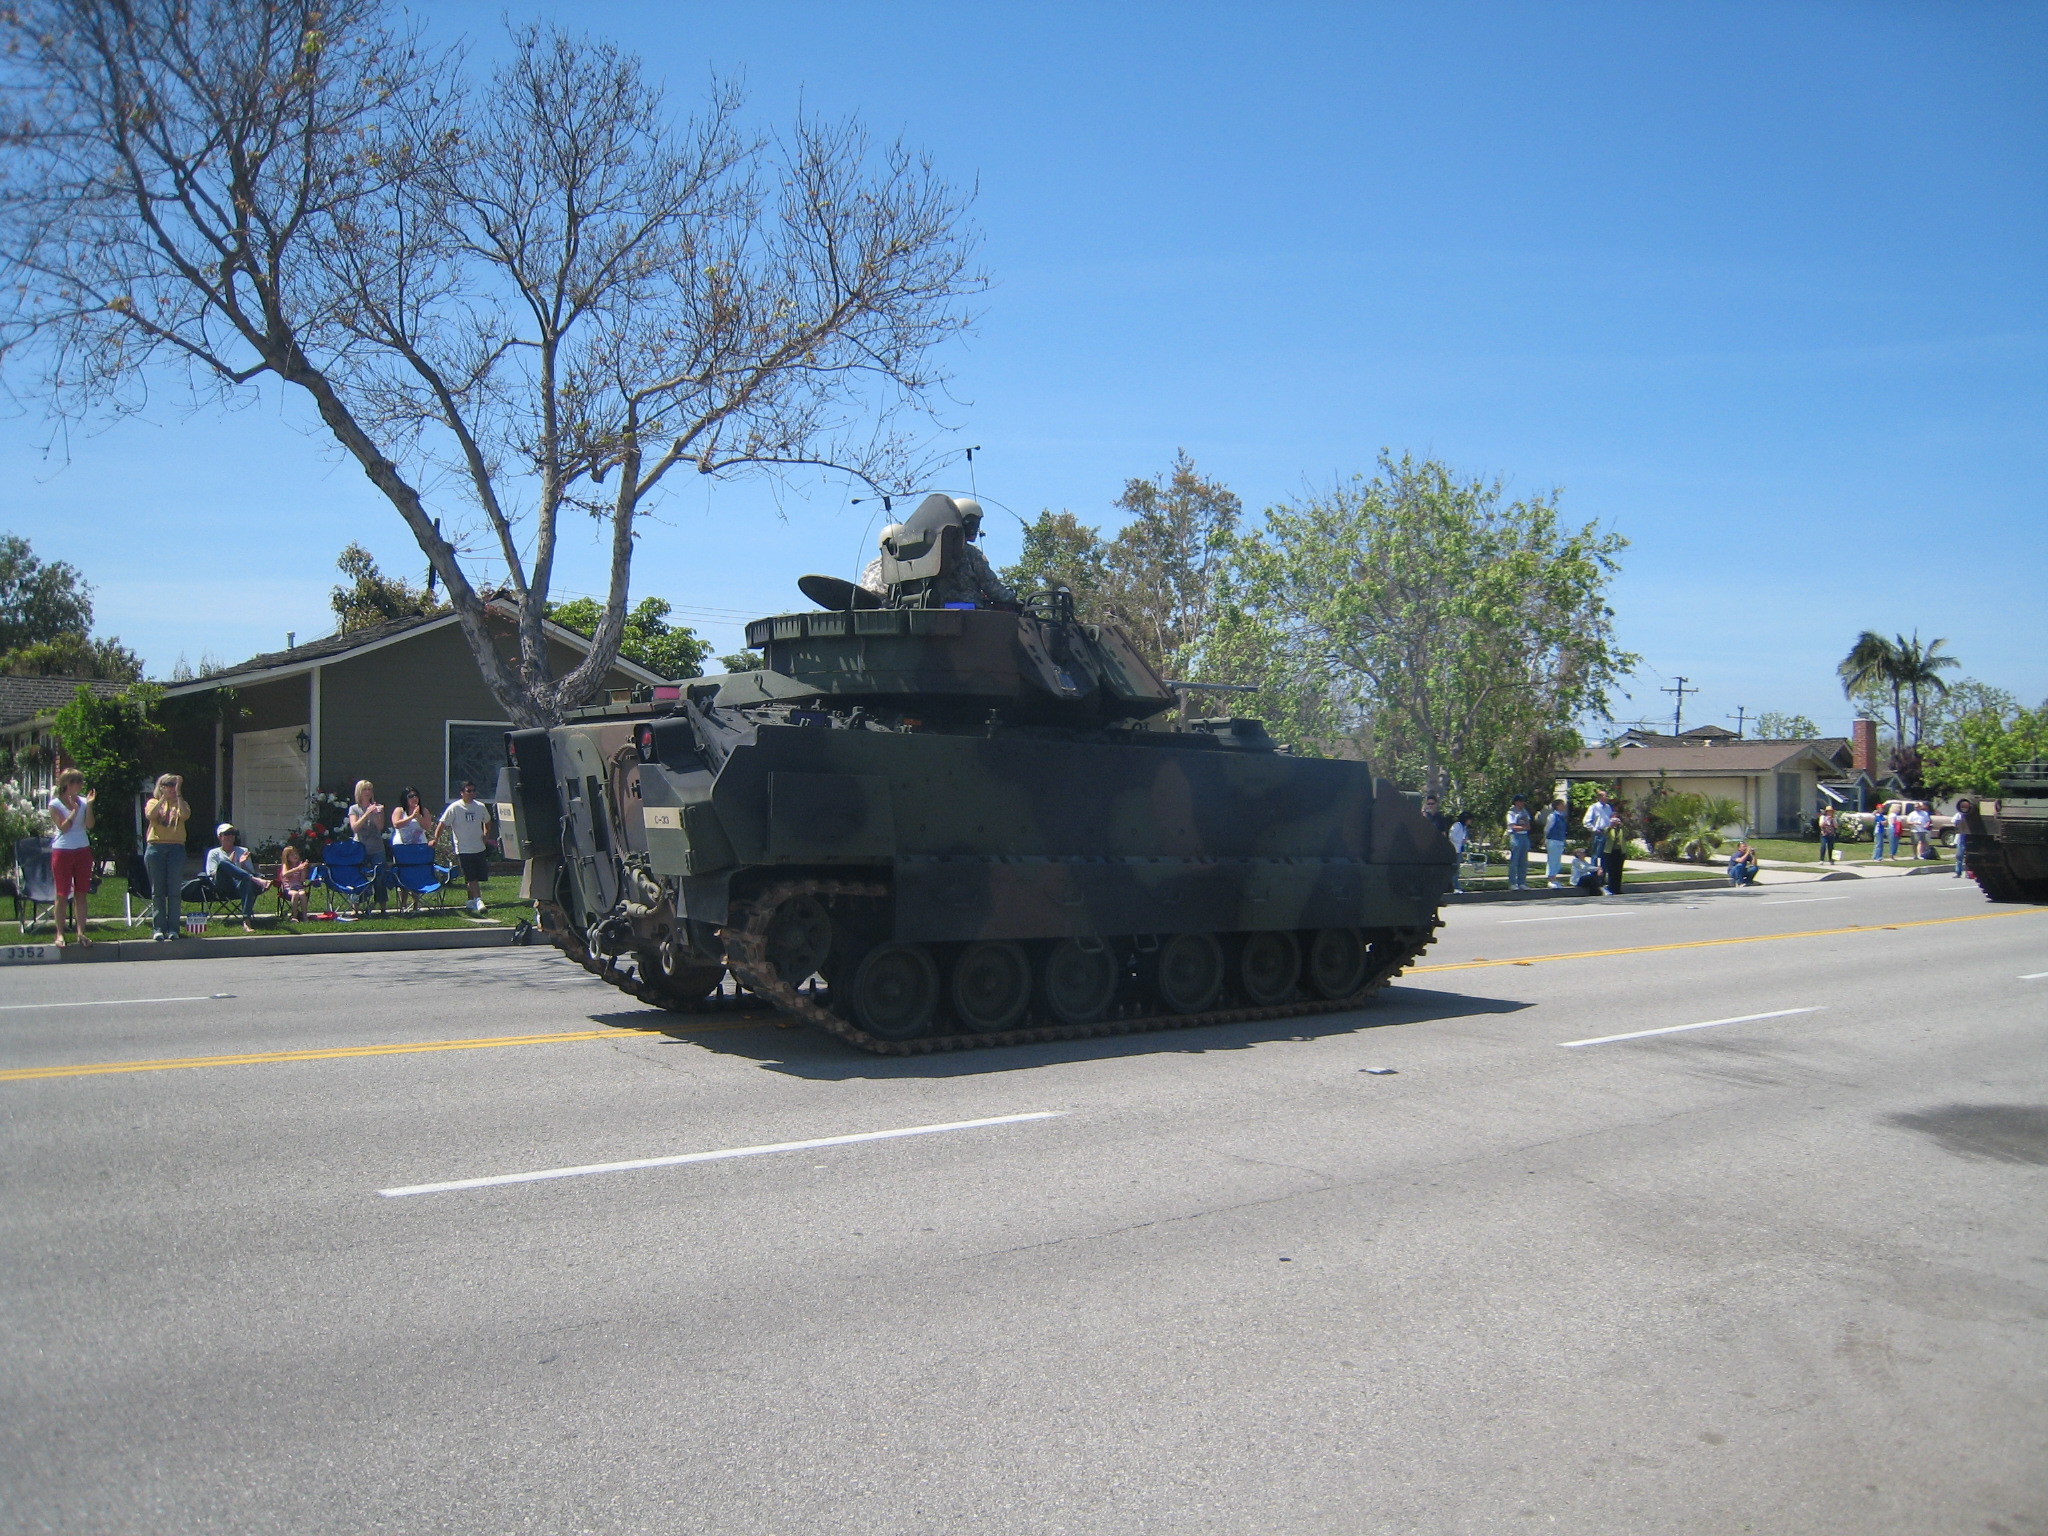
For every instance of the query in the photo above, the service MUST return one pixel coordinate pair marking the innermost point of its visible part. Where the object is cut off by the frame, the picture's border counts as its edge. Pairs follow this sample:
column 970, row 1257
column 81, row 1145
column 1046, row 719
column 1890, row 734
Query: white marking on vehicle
column 713, row 1157
column 1674, row 1029
column 116, row 1002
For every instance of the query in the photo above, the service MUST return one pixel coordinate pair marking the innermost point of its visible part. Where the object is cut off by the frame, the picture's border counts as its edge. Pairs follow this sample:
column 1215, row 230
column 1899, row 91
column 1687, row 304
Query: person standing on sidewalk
column 1615, row 854
column 1829, row 826
column 163, row 856
column 1459, row 834
column 1557, row 825
column 1880, row 829
column 1518, row 843
column 71, row 851
column 1920, row 821
column 1962, row 820
column 1599, row 817
column 468, row 822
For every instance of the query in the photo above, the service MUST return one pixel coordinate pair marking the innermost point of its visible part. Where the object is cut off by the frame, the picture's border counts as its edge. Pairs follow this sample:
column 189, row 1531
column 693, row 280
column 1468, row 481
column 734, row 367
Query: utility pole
column 1740, row 716
column 1678, row 710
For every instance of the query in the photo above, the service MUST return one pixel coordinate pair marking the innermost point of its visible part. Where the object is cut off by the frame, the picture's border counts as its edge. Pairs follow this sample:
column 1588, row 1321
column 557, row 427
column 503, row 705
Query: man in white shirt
column 1599, row 817
column 468, row 822
column 1921, row 821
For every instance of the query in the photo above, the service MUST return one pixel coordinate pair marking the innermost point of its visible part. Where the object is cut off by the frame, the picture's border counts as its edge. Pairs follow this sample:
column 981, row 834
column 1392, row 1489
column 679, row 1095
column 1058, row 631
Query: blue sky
column 1761, row 286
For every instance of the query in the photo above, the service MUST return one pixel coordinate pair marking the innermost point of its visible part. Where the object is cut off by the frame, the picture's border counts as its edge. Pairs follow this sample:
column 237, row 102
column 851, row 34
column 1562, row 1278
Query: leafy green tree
column 742, row 661
column 1872, row 669
column 1060, row 551
column 1455, row 635
column 371, row 597
column 74, row 654
column 1159, row 572
column 673, row 650
column 1777, row 725
column 39, row 600
column 114, row 742
column 1976, row 748
column 1964, row 697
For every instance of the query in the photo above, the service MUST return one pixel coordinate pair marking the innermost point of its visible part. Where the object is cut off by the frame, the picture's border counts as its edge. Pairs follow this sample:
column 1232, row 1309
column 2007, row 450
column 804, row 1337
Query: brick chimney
column 1863, row 746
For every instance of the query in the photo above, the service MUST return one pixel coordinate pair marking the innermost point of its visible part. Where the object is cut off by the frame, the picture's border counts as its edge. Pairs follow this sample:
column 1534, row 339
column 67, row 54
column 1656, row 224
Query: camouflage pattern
column 917, row 784
column 2006, row 847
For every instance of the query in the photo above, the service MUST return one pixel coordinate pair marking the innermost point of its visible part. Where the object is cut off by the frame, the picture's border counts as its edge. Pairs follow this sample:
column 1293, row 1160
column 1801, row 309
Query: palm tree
column 1874, row 661
column 1918, row 667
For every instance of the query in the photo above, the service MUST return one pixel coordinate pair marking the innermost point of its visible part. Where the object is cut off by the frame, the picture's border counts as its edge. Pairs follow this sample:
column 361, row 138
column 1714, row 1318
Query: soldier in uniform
column 974, row 582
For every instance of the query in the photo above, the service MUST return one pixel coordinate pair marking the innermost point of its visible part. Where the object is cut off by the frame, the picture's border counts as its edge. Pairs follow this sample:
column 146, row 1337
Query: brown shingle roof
column 26, row 698
column 1726, row 757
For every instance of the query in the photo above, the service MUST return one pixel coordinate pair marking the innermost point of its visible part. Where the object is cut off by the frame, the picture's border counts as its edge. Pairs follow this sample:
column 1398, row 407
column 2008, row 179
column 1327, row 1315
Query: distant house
column 399, row 704
column 1779, row 784
column 26, row 707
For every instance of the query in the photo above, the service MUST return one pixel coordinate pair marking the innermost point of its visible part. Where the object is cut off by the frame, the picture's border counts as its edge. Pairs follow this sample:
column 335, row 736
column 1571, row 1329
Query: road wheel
column 895, row 991
column 680, row 980
column 1337, row 959
column 991, row 985
column 1268, row 965
column 1187, row 973
column 1077, row 985
column 799, row 939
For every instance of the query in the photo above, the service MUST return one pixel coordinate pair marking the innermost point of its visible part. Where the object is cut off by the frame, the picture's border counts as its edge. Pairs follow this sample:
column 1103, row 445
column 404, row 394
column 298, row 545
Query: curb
column 259, row 946
column 1629, row 888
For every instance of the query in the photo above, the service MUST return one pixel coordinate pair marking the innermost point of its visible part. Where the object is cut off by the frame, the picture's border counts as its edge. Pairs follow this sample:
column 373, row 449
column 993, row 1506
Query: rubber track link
column 746, row 944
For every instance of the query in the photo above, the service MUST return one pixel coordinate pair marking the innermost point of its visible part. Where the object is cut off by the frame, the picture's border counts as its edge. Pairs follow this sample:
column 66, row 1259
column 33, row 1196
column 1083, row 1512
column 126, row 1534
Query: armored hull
column 926, row 830
column 2006, row 850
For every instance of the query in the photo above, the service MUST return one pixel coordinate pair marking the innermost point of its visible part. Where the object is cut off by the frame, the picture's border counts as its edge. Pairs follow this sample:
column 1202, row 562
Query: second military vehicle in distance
column 2005, row 841
column 939, row 818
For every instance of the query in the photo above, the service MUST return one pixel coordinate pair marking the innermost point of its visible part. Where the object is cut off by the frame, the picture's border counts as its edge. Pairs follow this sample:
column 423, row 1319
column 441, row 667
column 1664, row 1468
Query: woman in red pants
column 71, row 850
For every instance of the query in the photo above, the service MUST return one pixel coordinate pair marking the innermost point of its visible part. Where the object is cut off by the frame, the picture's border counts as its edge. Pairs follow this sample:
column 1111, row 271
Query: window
column 476, row 750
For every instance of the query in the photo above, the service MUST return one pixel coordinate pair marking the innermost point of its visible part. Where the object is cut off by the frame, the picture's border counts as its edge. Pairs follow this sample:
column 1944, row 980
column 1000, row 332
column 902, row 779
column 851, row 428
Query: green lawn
column 500, row 894
column 1806, row 850
column 1495, row 877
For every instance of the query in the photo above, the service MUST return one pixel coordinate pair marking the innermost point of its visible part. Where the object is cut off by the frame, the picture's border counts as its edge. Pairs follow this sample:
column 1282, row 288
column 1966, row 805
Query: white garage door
column 270, row 783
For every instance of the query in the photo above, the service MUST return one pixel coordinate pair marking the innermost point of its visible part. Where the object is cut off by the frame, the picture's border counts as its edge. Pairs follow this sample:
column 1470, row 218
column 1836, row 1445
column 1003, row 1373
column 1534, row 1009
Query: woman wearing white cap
column 230, row 865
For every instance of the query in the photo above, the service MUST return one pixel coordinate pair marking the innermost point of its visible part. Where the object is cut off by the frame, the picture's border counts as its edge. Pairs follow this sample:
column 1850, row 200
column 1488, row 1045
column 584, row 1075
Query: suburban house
column 26, row 706
column 1779, row 784
column 400, row 704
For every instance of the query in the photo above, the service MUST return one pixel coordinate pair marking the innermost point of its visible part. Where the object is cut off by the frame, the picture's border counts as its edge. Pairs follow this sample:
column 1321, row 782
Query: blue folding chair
column 413, row 870
column 36, row 886
column 346, row 872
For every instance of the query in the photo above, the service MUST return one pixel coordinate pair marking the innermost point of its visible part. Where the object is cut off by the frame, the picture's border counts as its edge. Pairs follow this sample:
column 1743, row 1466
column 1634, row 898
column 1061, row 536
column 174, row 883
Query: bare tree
column 510, row 305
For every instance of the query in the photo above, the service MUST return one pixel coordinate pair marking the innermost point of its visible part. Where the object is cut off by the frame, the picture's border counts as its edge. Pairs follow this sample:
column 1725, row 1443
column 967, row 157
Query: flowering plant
column 21, row 815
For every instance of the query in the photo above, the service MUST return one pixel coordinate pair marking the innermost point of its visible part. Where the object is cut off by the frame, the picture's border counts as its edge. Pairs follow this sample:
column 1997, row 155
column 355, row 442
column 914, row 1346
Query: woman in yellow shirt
column 164, row 855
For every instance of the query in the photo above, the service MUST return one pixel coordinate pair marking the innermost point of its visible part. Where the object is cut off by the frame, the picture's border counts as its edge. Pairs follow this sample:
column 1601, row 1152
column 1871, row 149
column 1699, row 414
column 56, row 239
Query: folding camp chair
column 413, row 870
column 346, row 872
column 211, row 896
column 35, row 886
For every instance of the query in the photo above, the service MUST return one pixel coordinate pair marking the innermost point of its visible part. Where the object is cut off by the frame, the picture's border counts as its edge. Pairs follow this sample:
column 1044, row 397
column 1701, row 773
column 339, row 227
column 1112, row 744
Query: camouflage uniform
column 974, row 582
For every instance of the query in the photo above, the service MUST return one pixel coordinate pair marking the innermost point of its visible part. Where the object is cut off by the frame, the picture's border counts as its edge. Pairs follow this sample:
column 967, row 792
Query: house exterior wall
column 384, row 715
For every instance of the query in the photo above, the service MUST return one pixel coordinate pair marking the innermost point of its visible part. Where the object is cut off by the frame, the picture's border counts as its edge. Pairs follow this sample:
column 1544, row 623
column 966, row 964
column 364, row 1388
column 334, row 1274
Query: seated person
column 229, row 867
column 1742, row 865
column 293, row 872
column 976, row 582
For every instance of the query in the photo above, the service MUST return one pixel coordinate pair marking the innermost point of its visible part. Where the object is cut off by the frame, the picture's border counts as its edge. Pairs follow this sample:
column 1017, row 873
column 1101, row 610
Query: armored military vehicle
column 2006, row 847
column 928, row 824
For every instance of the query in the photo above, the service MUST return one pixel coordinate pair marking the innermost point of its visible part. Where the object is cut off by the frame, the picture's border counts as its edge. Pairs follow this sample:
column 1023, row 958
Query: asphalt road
column 1784, row 1275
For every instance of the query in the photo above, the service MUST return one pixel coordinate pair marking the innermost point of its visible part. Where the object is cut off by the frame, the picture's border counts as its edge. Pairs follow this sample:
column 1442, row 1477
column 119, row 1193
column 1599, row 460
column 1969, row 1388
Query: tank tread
column 1993, row 874
column 746, row 955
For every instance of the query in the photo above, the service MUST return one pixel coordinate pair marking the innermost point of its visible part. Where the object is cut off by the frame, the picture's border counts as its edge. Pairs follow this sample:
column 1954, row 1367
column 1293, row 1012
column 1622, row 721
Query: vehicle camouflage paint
column 2006, row 840
column 926, row 827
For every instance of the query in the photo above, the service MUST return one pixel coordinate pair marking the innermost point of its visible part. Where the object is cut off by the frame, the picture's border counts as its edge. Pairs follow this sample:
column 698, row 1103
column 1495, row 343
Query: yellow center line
column 1754, row 938
column 262, row 1058
column 410, row 1048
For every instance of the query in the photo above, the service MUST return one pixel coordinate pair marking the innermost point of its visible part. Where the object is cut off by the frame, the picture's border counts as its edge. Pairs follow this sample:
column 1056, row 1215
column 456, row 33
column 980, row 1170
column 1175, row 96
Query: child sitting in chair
column 293, row 871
